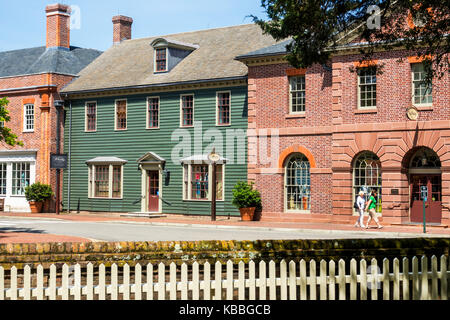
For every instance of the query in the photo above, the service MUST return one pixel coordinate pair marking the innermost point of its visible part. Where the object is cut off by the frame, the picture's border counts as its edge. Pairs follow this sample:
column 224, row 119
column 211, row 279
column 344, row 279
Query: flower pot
column 247, row 214
column 35, row 207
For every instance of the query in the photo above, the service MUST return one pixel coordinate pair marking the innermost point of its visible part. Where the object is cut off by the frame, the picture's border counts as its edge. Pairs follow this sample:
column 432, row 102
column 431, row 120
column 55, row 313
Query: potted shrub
column 246, row 199
column 37, row 194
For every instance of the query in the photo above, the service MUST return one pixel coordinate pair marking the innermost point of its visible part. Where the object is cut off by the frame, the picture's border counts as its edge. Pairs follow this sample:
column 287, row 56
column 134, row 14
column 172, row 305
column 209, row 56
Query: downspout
column 70, row 158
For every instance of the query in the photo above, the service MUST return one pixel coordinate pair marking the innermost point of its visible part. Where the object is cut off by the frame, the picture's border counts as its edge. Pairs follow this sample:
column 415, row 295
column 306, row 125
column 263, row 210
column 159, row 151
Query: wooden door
column 153, row 191
column 433, row 208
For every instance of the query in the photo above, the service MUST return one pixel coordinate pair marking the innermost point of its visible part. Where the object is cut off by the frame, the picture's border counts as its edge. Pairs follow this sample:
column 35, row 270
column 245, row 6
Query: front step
column 143, row 215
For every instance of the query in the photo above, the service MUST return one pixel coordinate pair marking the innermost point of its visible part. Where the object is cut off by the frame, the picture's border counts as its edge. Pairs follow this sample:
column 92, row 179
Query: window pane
column 199, row 182
column 153, row 112
column 367, row 87
column 161, row 59
column 422, row 92
column 3, row 178
column 298, row 183
column 188, row 110
column 91, row 116
column 117, row 182
column 20, row 177
column 101, row 181
column 297, row 92
column 121, row 114
column 367, row 176
column 223, row 105
column 29, row 117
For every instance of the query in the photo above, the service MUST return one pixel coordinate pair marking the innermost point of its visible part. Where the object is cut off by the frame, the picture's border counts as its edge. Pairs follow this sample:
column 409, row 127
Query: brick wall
column 333, row 132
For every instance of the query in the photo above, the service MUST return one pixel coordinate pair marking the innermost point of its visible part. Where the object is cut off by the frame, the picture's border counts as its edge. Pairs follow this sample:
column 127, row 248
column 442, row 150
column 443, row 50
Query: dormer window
column 168, row 53
column 161, row 60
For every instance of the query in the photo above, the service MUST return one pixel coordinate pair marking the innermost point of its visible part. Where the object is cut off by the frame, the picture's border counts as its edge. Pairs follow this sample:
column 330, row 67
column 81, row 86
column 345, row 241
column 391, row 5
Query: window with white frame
column 298, row 183
column 3, row 177
column 91, row 116
column 223, row 108
column 187, row 110
column 28, row 118
column 160, row 59
column 105, row 181
column 422, row 91
column 297, row 94
column 367, row 176
column 152, row 112
column 121, row 114
column 367, row 87
column 197, row 182
column 20, row 177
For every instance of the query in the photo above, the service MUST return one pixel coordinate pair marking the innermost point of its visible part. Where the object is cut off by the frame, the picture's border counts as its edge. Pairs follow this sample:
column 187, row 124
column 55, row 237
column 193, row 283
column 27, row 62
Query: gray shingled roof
column 42, row 60
column 279, row 48
column 130, row 63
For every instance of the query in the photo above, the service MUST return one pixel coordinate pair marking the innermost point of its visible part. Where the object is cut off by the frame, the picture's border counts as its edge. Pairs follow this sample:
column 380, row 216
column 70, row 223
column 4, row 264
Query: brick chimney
column 58, row 25
column 122, row 28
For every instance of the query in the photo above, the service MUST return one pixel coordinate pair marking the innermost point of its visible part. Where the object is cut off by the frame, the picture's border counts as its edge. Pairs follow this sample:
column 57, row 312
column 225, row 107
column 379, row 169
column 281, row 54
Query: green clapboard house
column 141, row 120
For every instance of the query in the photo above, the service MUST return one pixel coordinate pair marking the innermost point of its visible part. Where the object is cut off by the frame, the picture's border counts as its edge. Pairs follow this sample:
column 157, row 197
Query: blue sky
column 23, row 21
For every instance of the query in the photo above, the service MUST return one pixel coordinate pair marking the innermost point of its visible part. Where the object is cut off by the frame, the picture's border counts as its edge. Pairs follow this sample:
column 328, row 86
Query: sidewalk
column 204, row 221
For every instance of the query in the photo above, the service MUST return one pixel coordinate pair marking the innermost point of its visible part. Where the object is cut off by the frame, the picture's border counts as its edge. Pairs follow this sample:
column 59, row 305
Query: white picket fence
column 244, row 281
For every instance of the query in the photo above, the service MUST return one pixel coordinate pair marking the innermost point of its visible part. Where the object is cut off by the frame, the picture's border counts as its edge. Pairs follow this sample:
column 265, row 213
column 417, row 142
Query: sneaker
column 363, row 226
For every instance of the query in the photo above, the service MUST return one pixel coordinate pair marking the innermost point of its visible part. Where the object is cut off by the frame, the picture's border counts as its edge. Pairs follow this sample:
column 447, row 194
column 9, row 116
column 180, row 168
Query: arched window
column 297, row 183
column 367, row 176
column 425, row 158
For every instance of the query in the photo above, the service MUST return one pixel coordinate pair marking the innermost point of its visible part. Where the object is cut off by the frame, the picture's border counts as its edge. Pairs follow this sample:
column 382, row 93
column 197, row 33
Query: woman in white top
column 360, row 202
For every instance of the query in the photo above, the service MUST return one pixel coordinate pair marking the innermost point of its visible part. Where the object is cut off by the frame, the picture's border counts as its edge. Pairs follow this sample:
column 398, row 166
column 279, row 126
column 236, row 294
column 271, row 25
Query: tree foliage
column 318, row 27
column 5, row 132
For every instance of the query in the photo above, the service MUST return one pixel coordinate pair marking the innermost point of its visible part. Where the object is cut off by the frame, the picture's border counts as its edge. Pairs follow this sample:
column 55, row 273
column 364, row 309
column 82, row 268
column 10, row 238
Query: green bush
column 244, row 196
column 38, row 192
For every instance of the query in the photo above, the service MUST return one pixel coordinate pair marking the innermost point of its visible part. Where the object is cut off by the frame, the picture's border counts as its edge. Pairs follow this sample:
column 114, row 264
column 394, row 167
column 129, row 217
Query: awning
column 203, row 158
column 106, row 160
column 151, row 158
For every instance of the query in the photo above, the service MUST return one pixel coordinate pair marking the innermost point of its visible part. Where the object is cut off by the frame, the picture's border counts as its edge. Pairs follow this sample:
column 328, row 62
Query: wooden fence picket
column 149, row 282
column 434, row 278
column 353, row 279
column 13, row 291
column 415, row 278
column 184, row 281
column 262, row 281
column 218, row 281
column 102, row 282
column 332, row 281
column 341, row 280
column 424, row 278
column 313, row 280
column 27, row 282
column 272, row 281
column 303, row 280
column 283, row 280
column 323, row 280
column 207, row 281
column 2, row 283
column 252, row 280
column 138, row 282
column 396, row 285
column 363, row 279
column 161, row 281
column 374, row 283
column 126, row 282
column 292, row 281
column 114, row 282
column 195, row 281
column 386, row 279
column 443, row 278
column 405, row 279
column 39, row 283
column 173, row 281
column 65, row 283
column 90, row 282
column 77, row 282
column 229, row 281
column 241, row 280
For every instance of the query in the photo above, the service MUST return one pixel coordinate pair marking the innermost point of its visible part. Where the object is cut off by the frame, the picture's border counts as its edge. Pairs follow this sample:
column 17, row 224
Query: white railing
column 244, row 281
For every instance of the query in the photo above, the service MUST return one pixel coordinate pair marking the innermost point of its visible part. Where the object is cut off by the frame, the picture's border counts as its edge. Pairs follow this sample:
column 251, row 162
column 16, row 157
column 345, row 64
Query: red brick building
column 341, row 128
column 31, row 79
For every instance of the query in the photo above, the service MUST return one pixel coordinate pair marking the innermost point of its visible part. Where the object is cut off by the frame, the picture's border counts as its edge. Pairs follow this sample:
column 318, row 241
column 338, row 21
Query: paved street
column 148, row 230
